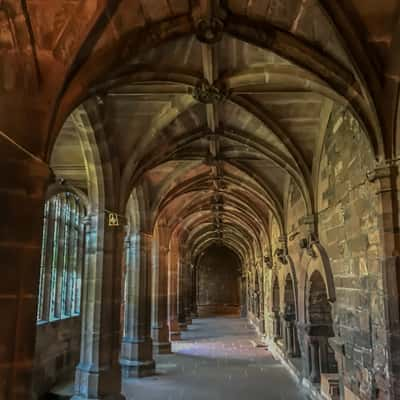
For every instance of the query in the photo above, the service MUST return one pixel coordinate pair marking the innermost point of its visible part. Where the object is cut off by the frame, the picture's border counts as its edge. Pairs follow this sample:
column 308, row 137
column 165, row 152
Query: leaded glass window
column 62, row 258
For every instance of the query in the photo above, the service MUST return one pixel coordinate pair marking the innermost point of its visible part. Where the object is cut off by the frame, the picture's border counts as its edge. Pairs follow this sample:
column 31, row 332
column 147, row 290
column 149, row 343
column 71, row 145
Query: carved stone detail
column 268, row 262
column 281, row 255
column 210, row 30
column 307, row 245
column 207, row 93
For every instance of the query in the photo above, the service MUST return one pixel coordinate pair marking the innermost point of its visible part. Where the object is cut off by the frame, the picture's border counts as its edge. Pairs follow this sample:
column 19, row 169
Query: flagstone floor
column 217, row 359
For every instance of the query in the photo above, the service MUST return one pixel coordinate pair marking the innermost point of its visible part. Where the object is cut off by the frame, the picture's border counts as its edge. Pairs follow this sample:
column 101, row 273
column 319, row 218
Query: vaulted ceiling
column 214, row 107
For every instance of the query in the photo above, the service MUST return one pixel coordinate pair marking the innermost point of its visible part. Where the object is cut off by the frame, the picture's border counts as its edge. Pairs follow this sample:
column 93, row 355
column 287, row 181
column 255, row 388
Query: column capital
column 309, row 219
column 164, row 249
column 384, row 177
column 381, row 172
column 309, row 222
column 140, row 235
column 146, row 235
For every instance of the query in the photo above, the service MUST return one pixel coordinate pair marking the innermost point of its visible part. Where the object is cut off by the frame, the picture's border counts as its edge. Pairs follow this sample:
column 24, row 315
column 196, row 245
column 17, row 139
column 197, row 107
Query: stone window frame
column 60, row 283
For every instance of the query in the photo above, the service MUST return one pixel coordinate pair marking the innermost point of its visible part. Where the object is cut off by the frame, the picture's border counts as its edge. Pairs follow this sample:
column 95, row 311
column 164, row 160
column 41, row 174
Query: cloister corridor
column 217, row 359
column 183, row 179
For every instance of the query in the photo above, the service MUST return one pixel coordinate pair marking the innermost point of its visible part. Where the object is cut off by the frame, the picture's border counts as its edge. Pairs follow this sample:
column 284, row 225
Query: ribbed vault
column 214, row 129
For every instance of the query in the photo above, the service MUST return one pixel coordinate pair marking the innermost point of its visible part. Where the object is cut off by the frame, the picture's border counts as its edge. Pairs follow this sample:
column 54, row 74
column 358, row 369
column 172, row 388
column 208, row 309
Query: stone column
column 137, row 346
column 195, row 313
column 175, row 333
column 323, row 355
column 315, row 372
column 277, row 325
column 23, row 184
column 289, row 331
column 289, row 337
column 296, row 345
column 188, row 293
column 243, row 297
column 160, row 327
column 98, row 374
column 181, row 298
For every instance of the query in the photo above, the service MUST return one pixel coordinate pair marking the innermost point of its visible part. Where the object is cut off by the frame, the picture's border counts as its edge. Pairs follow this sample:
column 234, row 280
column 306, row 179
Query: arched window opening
column 321, row 357
column 62, row 258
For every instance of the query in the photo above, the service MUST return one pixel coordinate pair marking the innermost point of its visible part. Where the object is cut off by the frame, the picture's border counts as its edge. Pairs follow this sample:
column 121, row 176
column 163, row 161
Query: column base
column 162, row 348
column 175, row 335
column 160, row 336
column 108, row 397
column 137, row 369
column 136, row 358
column 97, row 385
column 195, row 314
column 182, row 326
column 189, row 320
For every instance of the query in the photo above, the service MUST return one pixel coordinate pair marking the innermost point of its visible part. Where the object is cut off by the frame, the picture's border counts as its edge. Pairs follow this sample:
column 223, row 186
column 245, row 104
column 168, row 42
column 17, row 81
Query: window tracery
column 62, row 258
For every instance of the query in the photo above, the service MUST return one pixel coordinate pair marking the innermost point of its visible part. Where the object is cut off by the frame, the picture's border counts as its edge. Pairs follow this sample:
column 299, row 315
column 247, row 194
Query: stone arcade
column 167, row 161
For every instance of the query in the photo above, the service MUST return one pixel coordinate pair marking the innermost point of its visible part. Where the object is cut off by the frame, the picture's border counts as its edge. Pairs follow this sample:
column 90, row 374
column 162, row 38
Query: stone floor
column 216, row 360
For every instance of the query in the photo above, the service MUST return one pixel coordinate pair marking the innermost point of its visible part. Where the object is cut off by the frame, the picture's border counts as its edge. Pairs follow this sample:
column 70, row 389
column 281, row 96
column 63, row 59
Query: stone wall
column 349, row 231
column 218, row 281
column 348, row 234
column 56, row 353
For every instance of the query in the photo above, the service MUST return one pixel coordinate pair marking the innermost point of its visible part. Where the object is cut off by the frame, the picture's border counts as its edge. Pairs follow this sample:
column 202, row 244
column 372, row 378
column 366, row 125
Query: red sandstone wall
column 56, row 353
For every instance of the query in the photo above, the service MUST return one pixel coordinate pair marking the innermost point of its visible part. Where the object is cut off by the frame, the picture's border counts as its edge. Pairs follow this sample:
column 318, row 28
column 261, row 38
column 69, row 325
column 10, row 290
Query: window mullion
column 60, row 258
column 70, row 267
column 80, row 260
column 54, row 258
column 41, row 316
column 48, row 259
column 66, row 257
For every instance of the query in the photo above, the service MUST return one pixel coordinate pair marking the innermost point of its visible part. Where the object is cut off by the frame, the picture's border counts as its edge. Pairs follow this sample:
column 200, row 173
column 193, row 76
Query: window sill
column 56, row 320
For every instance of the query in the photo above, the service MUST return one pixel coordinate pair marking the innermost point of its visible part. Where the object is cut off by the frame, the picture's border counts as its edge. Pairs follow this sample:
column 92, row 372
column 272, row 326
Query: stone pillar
column 277, row 325
column 296, row 345
column 181, row 298
column 289, row 339
column 243, row 297
column 323, row 355
column 137, row 346
column 188, row 293
column 23, row 184
column 289, row 331
column 175, row 333
column 98, row 374
column 195, row 313
column 160, row 327
column 315, row 372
